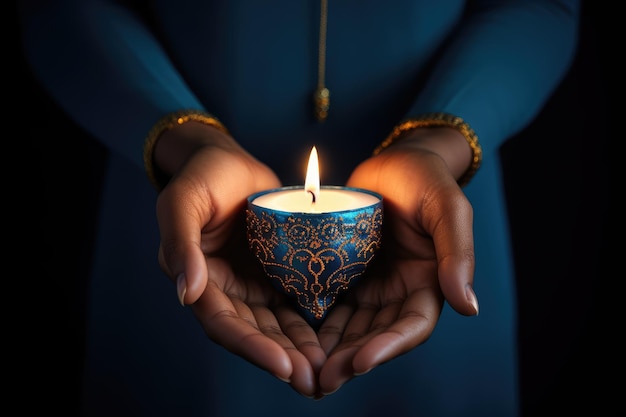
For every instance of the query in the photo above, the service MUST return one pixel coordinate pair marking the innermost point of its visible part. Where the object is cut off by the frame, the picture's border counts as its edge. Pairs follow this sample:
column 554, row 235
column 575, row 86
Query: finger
column 303, row 379
column 339, row 369
column 454, row 242
column 223, row 325
column 367, row 321
column 399, row 329
column 302, row 335
column 377, row 334
column 378, row 348
column 244, row 311
column 331, row 330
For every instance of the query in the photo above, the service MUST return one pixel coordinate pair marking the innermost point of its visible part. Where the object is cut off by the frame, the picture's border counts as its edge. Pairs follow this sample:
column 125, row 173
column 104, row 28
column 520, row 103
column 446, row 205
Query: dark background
column 560, row 177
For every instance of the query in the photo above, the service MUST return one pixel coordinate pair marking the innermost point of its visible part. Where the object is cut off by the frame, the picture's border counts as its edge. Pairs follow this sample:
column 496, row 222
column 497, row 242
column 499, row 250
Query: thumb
column 180, row 253
column 454, row 244
column 456, row 283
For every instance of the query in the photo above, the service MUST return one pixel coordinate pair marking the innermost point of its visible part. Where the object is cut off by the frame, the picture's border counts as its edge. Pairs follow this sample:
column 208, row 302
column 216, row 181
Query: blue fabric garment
column 116, row 70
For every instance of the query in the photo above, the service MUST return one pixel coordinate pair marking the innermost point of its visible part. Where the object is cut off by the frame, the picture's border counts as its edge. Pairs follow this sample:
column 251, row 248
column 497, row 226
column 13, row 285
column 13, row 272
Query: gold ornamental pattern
column 313, row 259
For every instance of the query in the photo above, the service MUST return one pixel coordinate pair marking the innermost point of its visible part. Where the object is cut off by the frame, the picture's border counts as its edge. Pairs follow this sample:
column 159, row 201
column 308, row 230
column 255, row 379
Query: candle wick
column 312, row 196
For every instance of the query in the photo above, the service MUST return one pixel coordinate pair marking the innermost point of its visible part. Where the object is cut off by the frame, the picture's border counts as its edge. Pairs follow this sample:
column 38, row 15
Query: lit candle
column 315, row 199
column 314, row 242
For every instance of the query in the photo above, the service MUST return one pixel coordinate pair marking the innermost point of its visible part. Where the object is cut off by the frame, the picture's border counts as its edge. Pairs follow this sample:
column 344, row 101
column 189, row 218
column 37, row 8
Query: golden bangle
column 440, row 120
column 156, row 177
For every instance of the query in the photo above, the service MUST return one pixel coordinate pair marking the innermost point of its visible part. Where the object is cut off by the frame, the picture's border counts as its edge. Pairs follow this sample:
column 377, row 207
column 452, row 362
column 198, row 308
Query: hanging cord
column 322, row 95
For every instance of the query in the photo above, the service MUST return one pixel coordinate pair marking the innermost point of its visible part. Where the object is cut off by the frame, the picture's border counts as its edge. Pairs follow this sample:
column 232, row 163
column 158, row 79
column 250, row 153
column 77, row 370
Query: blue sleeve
column 502, row 65
column 120, row 61
column 496, row 71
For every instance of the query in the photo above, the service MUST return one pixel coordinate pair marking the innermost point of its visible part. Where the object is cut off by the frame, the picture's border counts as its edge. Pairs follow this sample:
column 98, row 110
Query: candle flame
column 312, row 183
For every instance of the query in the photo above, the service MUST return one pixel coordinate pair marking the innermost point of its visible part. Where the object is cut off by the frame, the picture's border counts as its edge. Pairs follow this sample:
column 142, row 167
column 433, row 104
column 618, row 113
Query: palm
column 393, row 309
column 230, row 296
column 397, row 304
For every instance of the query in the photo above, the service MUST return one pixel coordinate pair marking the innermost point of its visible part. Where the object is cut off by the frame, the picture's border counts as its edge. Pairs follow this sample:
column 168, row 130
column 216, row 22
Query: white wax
column 328, row 200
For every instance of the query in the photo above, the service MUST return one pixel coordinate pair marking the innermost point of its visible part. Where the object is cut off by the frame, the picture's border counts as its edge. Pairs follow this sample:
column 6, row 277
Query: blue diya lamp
column 314, row 247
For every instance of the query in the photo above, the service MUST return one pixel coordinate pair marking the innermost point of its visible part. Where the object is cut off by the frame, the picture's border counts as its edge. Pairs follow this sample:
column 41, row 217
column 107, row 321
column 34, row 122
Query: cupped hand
column 427, row 257
column 204, row 250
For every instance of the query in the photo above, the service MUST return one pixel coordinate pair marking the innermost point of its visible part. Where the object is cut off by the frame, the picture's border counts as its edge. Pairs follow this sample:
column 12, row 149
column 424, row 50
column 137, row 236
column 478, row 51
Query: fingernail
column 285, row 380
column 362, row 373
column 471, row 297
column 181, row 288
column 331, row 392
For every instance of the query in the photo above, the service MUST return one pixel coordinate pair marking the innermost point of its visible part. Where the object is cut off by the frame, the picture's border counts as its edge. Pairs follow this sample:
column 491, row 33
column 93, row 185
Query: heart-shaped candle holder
column 315, row 257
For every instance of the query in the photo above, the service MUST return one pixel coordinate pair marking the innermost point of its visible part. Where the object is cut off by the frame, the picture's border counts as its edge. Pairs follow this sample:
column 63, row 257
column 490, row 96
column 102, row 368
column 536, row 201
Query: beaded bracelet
column 440, row 120
column 157, row 177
